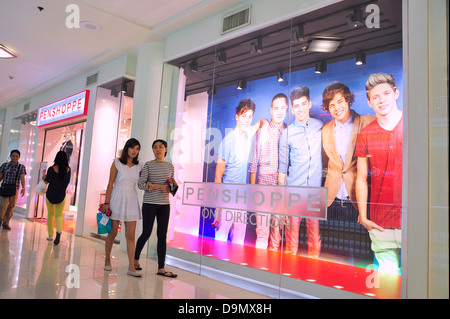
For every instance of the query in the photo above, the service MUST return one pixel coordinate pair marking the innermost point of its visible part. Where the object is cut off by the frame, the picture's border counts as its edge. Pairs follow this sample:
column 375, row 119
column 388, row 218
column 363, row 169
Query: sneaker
column 6, row 226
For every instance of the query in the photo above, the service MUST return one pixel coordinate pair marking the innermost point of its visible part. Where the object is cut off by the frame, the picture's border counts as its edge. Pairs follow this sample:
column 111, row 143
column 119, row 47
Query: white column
column 144, row 122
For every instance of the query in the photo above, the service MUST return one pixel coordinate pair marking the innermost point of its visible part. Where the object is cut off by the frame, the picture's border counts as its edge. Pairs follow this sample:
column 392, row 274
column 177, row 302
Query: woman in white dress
column 122, row 200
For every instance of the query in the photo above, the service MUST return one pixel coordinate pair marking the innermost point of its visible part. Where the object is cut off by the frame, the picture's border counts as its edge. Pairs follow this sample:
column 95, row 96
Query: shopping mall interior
column 177, row 70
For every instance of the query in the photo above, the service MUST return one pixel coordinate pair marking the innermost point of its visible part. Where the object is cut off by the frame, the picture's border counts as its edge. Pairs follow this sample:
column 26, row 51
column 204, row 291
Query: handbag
column 103, row 221
column 8, row 190
column 103, row 228
column 41, row 188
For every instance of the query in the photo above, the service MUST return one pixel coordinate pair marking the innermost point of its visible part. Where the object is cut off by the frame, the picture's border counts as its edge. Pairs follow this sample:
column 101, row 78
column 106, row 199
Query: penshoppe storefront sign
column 309, row 202
column 68, row 108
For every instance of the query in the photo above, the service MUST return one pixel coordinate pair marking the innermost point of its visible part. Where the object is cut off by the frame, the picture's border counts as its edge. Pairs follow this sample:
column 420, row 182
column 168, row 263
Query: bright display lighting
column 6, row 53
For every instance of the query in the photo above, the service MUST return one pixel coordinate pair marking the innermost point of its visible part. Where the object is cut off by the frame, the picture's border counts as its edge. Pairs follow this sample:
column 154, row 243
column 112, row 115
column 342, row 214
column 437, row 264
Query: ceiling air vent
column 92, row 79
column 236, row 20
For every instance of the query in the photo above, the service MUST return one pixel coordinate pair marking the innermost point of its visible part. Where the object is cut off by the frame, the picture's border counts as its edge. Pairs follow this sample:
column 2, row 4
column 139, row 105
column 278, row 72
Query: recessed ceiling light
column 90, row 26
column 6, row 53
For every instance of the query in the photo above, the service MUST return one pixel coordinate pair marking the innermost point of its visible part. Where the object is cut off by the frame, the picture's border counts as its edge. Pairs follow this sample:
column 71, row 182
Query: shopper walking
column 57, row 178
column 12, row 174
column 154, row 179
column 122, row 200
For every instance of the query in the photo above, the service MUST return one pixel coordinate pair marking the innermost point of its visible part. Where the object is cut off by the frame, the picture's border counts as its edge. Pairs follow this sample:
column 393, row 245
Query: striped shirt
column 155, row 172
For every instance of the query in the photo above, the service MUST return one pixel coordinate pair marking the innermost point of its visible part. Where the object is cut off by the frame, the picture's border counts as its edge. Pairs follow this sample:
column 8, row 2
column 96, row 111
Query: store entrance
column 70, row 139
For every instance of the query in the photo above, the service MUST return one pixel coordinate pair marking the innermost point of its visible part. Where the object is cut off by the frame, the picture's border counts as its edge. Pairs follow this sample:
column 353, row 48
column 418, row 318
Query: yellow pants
column 54, row 211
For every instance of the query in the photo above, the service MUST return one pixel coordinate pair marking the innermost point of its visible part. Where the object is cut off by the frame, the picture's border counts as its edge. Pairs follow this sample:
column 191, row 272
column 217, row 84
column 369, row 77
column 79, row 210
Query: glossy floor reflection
column 33, row 268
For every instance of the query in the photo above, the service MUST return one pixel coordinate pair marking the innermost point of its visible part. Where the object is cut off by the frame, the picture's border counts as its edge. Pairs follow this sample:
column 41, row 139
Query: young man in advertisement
column 300, row 164
column 379, row 149
column 232, row 166
column 339, row 141
column 265, row 160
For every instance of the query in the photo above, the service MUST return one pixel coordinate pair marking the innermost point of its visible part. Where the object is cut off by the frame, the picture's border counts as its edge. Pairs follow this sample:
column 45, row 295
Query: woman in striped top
column 154, row 180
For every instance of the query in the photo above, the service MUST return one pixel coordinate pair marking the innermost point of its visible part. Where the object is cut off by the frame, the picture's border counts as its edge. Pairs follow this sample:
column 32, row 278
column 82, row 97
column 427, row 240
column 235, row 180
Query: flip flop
column 165, row 274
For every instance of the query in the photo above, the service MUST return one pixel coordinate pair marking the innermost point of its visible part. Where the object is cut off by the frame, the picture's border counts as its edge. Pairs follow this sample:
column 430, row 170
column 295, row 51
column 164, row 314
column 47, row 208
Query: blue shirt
column 300, row 153
column 235, row 151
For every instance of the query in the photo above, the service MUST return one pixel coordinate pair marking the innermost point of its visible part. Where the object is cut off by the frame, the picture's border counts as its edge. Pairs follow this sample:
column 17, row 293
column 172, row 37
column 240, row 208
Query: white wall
column 124, row 65
column 207, row 32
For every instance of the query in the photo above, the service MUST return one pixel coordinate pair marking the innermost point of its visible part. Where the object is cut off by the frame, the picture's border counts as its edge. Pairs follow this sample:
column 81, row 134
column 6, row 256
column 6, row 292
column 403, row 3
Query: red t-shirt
column 384, row 150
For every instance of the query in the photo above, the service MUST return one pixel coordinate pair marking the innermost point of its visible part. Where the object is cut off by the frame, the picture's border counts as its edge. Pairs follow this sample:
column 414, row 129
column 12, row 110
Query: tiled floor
column 33, row 268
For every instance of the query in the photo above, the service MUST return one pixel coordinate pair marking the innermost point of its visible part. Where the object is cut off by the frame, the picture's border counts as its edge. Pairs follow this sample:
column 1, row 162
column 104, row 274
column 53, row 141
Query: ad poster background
column 223, row 104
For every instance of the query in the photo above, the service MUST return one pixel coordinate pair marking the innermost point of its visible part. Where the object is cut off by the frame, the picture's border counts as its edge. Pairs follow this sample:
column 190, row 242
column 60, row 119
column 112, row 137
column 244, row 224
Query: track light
column 355, row 19
column 193, row 65
column 321, row 67
column 123, row 86
column 222, row 57
column 242, row 85
column 360, row 58
column 256, row 46
column 280, row 76
column 298, row 34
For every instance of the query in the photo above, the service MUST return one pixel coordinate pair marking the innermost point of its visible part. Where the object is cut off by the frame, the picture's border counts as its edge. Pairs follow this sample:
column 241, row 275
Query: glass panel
column 22, row 138
column 226, row 136
column 112, row 128
column 69, row 139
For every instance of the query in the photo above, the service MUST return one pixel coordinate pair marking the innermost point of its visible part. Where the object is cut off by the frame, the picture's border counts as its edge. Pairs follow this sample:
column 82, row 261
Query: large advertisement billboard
column 297, row 174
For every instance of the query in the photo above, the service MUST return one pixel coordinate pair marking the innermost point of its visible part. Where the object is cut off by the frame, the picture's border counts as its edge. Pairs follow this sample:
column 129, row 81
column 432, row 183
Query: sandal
column 165, row 274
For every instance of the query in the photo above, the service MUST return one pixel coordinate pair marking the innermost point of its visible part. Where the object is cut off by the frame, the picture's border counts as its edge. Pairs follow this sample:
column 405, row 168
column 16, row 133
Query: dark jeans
column 149, row 212
column 344, row 217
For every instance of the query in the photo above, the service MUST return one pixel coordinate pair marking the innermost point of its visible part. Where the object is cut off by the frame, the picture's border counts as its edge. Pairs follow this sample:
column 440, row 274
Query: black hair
column 14, row 151
column 62, row 162
column 162, row 142
column 299, row 92
column 132, row 142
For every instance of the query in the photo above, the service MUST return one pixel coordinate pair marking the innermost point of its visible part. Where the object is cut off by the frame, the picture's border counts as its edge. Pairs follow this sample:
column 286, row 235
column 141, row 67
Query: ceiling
column 279, row 53
column 49, row 52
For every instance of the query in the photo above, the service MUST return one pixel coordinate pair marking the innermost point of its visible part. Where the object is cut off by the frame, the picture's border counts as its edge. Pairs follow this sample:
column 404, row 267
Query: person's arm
column 220, row 169
column 143, row 184
column 281, row 178
column 2, row 172
column 282, row 159
column 22, row 181
column 112, row 178
column 256, row 149
column 258, row 125
column 362, row 193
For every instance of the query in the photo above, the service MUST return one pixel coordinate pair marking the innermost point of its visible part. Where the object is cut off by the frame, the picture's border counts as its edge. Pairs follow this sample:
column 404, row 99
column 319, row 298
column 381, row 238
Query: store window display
column 337, row 243
column 21, row 137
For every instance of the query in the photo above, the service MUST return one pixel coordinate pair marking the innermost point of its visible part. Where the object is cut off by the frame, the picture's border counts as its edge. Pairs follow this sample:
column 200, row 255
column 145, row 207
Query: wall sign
column 310, row 202
column 68, row 108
